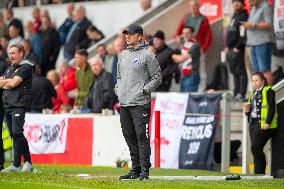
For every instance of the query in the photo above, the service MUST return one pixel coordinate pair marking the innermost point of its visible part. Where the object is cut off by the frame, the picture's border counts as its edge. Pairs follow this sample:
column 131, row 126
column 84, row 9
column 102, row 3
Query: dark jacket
column 78, row 36
column 3, row 67
column 233, row 31
column 19, row 96
column 42, row 92
column 168, row 67
column 271, row 104
column 101, row 95
column 64, row 29
column 33, row 58
column 50, row 43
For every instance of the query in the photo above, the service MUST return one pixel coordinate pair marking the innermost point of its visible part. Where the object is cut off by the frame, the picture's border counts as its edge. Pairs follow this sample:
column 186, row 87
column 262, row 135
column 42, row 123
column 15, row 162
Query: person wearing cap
column 188, row 61
column 164, row 56
column 235, row 48
column 138, row 74
column 84, row 77
column 259, row 37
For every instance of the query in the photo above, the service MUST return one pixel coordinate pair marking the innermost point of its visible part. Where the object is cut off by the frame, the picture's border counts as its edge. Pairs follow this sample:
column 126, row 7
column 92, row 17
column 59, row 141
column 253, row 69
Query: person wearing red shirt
column 68, row 80
column 61, row 97
column 203, row 35
column 36, row 16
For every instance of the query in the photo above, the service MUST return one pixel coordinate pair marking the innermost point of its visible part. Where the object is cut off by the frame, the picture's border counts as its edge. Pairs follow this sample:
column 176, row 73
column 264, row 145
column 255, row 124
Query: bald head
column 79, row 13
column 36, row 12
column 194, row 6
column 145, row 4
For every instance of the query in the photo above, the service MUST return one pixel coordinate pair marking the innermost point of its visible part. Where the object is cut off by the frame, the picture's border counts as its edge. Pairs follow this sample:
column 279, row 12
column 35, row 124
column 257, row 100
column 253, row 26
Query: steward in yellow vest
column 262, row 116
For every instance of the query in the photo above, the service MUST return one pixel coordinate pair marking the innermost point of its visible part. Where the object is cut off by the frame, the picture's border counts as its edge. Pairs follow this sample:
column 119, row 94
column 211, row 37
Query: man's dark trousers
column 15, row 119
column 259, row 138
column 134, row 123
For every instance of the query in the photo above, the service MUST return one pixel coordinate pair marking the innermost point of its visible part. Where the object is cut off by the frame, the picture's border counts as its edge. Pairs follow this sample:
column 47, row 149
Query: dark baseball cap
column 133, row 28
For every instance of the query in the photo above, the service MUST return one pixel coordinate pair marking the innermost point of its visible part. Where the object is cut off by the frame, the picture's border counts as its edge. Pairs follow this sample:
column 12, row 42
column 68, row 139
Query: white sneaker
column 27, row 167
column 12, row 168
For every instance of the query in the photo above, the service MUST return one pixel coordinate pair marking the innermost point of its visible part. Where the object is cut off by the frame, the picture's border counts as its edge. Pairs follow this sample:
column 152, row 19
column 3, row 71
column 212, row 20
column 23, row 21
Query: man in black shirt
column 235, row 43
column 164, row 56
column 17, row 84
column 3, row 66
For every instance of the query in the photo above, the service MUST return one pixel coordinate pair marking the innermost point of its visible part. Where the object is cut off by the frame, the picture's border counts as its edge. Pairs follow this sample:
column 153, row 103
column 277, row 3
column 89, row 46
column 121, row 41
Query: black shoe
column 132, row 175
column 144, row 175
column 1, row 167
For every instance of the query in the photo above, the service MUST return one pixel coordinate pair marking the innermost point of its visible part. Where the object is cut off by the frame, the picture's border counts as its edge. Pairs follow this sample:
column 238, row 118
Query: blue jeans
column 189, row 83
column 261, row 57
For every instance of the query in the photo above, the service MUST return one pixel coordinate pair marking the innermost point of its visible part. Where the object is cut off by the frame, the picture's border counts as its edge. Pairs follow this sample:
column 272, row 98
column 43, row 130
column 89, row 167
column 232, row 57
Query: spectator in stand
column 107, row 58
column 29, row 53
column 77, row 34
column 145, row 4
column 4, row 43
column 36, row 17
column 50, row 42
column 188, row 61
column 31, row 2
column 34, row 39
column 3, row 61
column 84, row 77
column 164, row 54
column 42, row 93
column 44, row 13
column 68, row 80
column 9, row 4
column 61, row 96
column 259, row 37
column 67, row 24
column 203, row 35
column 3, row 27
column 101, row 95
column 94, row 36
column 11, row 21
column 119, row 46
column 235, row 48
column 15, row 37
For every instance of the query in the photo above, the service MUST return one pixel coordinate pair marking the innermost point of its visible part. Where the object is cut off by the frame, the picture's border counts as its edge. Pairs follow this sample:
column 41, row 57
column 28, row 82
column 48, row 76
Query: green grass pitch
column 61, row 177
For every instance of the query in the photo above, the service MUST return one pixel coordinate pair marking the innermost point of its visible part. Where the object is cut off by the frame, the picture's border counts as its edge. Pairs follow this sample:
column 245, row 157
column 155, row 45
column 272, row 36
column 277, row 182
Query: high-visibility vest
column 7, row 141
column 264, row 109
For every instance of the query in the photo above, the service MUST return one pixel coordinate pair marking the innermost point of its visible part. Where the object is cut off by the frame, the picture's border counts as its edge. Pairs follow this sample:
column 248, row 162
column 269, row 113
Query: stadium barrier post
column 226, row 129
column 245, row 159
column 157, row 138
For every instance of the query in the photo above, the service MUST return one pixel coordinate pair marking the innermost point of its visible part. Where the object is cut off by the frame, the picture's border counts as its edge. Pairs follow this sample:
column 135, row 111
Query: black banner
column 198, row 132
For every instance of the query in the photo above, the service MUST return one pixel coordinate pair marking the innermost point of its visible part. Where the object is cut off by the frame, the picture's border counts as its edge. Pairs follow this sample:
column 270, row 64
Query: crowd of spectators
column 88, row 85
column 21, row 3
